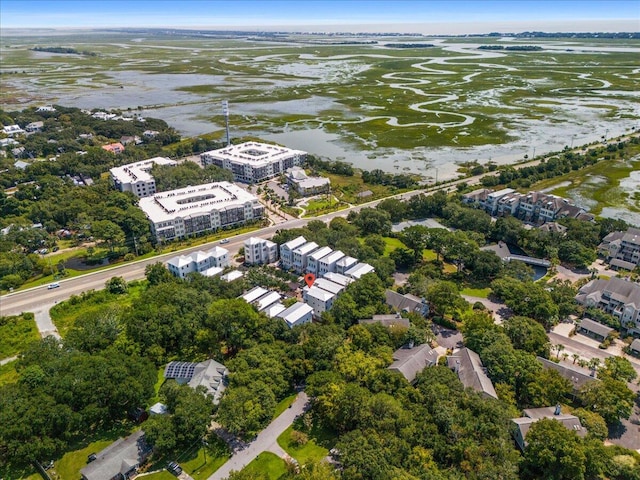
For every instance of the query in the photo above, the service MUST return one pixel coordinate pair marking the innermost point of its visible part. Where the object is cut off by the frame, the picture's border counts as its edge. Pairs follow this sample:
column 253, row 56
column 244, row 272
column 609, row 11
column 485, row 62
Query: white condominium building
column 135, row 177
column 253, row 162
column 217, row 258
column 191, row 210
column 313, row 261
column 286, row 251
column 258, row 251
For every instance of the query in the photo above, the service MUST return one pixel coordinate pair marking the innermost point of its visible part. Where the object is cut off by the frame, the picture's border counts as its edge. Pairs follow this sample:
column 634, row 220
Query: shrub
column 299, row 438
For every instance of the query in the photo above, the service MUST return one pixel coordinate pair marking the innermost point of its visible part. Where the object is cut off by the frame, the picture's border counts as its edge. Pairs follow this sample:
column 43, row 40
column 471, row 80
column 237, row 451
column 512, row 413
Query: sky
column 420, row 16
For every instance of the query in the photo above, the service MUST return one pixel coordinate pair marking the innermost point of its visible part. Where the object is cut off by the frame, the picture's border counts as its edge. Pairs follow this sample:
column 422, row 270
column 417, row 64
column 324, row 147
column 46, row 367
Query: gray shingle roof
column 120, row 457
column 411, row 361
column 467, row 365
column 595, row 327
column 576, row 377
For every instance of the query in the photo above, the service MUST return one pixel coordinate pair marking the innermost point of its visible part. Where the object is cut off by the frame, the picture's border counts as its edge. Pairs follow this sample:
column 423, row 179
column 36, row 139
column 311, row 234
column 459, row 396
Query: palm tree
column 565, row 355
column 575, row 357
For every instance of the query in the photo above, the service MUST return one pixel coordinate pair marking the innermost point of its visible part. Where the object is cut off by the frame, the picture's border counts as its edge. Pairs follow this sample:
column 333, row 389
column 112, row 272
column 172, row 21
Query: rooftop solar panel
column 179, row 370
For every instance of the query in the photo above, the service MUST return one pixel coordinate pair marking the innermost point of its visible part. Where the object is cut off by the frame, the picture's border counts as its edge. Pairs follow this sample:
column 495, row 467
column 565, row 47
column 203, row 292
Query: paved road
column 37, row 297
column 265, row 441
column 44, row 323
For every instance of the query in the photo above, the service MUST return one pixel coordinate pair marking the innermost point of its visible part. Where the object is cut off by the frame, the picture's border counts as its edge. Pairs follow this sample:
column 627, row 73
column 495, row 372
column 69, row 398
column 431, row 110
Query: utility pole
column 225, row 112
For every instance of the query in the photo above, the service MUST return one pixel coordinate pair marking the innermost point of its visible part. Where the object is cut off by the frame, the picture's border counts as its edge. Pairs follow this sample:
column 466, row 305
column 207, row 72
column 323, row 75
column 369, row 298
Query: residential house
column 21, row 164
column 254, row 294
column 594, row 329
column 358, row 270
column 319, row 300
column 338, row 278
column 301, row 256
column 532, row 415
column 297, row 314
column 411, row 360
column 634, row 348
column 200, row 262
column 210, row 374
column 232, row 275
column 468, row 366
column 306, row 185
column 8, row 142
column 130, row 139
column 491, row 202
column 274, row 310
column 345, row 263
column 477, row 197
column 389, row 321
column 120, row 460
column 406, row 303
column 328, row 264
column 45, row 108
column 259, row 251
column 266, row 301
column 553, row 227
column 616, row 296
column 576, row 377
column 286, row 251
column 115, row 148
column 149, row 134
column 11, row 130
column 314, row 259
column 34, row 127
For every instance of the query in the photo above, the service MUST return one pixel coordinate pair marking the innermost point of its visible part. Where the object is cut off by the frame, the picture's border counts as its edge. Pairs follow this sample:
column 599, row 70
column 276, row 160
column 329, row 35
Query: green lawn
column 429, row 255
column 156, row 388
column 161, row 475
column 284, row 404
column 267, row 463
column 392, row 244
column 217, row 454
column 310, row 452
column 70, row 464
column 65, row 314
column 16, row 332
column 476, row 292
column 8, row 373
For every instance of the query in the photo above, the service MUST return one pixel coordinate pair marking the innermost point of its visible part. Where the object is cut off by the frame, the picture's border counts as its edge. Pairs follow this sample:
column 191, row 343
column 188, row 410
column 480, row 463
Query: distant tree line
column 67, row 50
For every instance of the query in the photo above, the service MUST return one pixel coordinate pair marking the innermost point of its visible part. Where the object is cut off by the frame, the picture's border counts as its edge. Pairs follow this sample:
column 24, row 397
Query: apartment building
column 253, row 162
column 136, row 177
column 259, row 251
column 616, row 296
column 192, row 210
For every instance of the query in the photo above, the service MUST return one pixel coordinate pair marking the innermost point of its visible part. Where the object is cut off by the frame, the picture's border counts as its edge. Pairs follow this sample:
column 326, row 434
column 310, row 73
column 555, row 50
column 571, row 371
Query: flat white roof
column 194, row 201
column 138, row 171
column 295, row 312
column 333, row 257
column 321, row 253
column 212, row 271
column 360, row 269
column 232, row 275
column 254, row 153
column 501, row 193
column 306, row 248
column 295, row 243
column 254, row 294
column 338, row 278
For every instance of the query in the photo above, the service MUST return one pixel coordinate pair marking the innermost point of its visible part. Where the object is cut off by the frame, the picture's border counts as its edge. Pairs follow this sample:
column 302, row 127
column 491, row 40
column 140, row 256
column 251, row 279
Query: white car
column 223, row 241
column 53, row 285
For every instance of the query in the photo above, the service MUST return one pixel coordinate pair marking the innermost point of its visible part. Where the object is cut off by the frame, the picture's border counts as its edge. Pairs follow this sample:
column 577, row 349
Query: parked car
column 174, row 468
column 91, row 457
column 53, row 285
